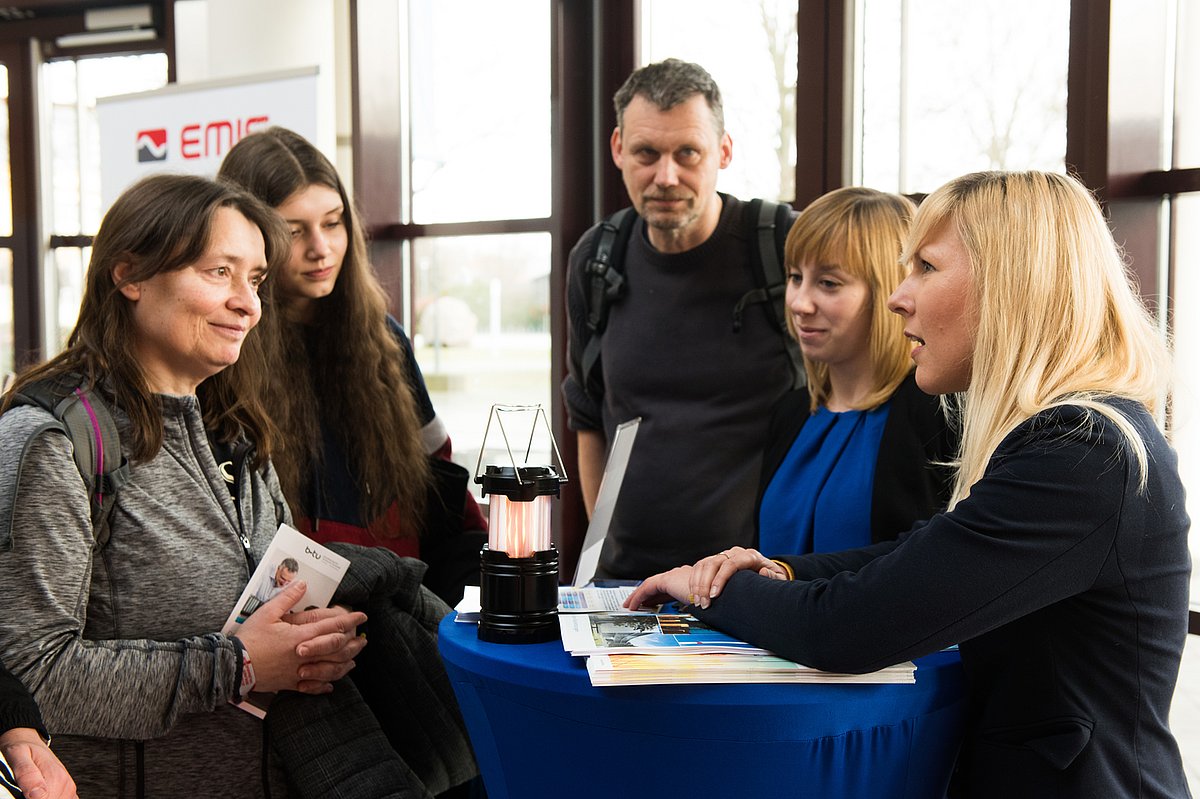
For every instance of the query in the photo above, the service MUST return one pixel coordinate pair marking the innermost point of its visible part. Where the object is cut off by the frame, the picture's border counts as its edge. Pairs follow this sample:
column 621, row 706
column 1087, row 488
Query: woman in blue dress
column 858, row 455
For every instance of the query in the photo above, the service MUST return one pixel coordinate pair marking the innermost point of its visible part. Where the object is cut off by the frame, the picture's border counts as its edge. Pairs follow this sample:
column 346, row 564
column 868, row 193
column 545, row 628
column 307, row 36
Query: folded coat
column 408, row 739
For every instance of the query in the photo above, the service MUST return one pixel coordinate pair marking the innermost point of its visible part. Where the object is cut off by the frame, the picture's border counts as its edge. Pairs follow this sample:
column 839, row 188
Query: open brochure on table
column 645, row 633
column 290, row 556
column 676, row 648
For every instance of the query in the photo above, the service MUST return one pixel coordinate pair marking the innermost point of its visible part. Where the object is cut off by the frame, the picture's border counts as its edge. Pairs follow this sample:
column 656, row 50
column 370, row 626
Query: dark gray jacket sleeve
column 411, row 741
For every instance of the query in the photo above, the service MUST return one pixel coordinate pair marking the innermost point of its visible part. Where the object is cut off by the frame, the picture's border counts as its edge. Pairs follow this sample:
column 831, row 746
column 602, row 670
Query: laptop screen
column 606, row 500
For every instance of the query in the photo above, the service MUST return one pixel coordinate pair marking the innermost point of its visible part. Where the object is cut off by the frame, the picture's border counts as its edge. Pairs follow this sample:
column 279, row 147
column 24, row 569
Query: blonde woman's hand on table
column 663, row 587
column 709, row 575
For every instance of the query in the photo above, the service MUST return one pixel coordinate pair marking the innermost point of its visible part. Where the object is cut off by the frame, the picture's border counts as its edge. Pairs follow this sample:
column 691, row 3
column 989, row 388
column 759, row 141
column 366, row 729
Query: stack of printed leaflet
column 663, row 648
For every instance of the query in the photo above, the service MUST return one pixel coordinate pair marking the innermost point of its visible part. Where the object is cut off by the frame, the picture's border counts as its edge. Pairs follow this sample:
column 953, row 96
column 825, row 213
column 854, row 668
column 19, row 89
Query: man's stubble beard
column 672, row 222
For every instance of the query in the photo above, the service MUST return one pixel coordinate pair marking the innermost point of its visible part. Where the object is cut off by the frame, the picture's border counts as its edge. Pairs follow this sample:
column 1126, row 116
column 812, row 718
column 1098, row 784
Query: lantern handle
column 539, row 412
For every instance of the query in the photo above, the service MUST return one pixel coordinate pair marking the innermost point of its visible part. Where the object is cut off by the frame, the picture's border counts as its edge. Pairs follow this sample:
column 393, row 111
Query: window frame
column 593, row 49
column 25, row 45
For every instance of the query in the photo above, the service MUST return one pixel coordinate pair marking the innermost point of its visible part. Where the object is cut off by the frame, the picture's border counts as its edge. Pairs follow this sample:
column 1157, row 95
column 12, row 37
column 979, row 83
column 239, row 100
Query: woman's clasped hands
column 306, row 651
column 702, row 582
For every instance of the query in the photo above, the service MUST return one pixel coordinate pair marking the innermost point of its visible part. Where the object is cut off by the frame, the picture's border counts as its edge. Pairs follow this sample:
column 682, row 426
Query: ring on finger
column 727, row 555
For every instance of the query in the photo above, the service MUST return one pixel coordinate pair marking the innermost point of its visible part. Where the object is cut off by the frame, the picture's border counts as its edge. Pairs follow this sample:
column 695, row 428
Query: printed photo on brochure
column 290, row 556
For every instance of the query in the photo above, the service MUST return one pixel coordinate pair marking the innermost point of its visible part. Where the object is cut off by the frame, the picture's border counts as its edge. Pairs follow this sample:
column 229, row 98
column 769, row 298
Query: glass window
column 1185, row 419
column 1187, row 86
column 69, row 269
column 5, row 171
column 1185, row 412
column 751, row 53
column 944, row 87
column 477, row 102
column 71, row 88
column 480, row 97
column 7, row 332
column 482, row 329
column 1185, row 435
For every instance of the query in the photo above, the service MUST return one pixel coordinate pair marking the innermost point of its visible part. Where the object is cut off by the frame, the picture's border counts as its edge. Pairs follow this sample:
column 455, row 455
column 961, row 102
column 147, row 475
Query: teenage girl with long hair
column 364, row 457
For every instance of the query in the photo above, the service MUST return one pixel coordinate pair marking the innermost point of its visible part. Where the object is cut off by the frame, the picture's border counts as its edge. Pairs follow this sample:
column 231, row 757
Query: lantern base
column 518, row 597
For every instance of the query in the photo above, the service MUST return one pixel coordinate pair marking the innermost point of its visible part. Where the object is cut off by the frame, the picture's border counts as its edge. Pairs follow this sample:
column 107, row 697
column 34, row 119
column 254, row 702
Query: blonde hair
column 861, row 231
column 1060, row 320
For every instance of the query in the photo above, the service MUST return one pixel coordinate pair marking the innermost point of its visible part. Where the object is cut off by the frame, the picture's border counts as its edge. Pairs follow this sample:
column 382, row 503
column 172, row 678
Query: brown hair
column 667, row 84
column 362, row 391
column 161, row 224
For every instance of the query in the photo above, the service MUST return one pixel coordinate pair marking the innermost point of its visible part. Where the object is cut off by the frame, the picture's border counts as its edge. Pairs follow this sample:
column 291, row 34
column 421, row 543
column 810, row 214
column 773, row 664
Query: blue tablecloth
column 540, row 729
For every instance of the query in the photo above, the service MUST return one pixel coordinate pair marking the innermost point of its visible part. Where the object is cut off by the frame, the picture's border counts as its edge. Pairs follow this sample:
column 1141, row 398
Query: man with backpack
column 676, row 316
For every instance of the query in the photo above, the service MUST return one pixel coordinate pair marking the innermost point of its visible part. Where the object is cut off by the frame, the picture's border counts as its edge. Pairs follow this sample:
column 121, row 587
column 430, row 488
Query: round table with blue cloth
column 539, row 728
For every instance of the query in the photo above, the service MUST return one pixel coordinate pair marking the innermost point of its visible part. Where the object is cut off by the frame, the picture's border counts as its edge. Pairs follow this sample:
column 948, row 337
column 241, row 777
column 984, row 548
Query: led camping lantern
column 518, row 587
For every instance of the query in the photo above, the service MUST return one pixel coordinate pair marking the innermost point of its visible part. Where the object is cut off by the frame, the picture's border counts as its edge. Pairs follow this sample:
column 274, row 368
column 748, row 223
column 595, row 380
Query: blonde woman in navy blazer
column 1061, row 567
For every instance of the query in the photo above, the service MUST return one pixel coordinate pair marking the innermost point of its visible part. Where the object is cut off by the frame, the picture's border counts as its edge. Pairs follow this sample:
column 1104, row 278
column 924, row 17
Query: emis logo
column 197, row 139
column 212, row 139
column 152, row 145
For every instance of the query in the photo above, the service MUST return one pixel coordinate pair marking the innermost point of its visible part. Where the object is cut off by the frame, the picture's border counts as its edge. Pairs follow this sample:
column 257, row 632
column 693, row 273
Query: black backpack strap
column 605, row 285
column 770, row 223
column 83, row 415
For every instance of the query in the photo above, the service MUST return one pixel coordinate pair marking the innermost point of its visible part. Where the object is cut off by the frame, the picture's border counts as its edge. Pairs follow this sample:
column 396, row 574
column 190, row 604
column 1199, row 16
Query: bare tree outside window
column 780, row 29
column 948, row 87
column 749, row 47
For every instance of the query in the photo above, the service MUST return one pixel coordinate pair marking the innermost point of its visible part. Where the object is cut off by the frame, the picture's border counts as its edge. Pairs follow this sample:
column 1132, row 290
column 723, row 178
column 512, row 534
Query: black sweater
column 17, row 708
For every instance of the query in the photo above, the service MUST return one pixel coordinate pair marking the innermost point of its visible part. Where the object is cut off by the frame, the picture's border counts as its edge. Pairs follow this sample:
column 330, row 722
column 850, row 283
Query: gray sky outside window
column 749, row 47
column 945, row 87
column 480, row 110
column 71, row 88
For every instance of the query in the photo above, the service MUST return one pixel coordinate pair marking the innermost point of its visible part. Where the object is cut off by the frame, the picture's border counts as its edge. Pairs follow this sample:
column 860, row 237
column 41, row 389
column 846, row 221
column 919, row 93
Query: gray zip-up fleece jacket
column 120, row 647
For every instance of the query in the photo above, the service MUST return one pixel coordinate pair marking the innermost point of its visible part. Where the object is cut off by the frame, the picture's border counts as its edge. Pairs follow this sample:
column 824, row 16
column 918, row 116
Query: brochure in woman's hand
column 290, row 556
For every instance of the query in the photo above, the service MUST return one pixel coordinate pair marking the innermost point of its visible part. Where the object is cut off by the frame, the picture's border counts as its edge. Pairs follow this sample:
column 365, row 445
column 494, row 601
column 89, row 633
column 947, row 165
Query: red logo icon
column 152, row 145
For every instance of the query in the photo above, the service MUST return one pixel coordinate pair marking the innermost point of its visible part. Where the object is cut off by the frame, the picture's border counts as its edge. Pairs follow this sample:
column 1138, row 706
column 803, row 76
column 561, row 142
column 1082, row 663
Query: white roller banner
column 189, row 127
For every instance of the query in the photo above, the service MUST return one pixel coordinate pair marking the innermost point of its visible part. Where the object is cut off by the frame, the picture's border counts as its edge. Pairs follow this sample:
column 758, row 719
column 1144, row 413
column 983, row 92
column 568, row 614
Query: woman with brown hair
column 116, row 634
column 364, row 458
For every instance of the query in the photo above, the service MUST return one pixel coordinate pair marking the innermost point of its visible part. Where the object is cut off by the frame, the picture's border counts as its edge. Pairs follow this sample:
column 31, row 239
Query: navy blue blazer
column 907, row 486
column 1065, row 584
